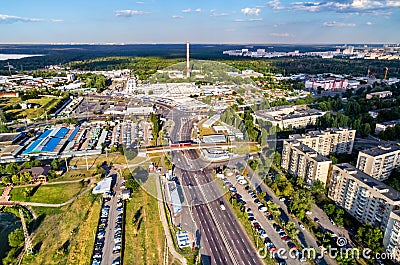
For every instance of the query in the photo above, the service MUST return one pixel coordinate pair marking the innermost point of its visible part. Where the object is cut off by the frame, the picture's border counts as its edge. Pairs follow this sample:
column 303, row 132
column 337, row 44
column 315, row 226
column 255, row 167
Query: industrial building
column 334, row 140
column 50, row 142
column 302, row 161
column 379, row 162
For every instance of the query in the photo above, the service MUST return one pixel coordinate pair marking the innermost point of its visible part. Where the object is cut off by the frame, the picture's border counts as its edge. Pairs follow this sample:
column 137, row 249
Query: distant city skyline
column 157, row 21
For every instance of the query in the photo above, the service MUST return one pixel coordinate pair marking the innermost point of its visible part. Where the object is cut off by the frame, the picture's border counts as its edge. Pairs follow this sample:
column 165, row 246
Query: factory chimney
column 187, row 60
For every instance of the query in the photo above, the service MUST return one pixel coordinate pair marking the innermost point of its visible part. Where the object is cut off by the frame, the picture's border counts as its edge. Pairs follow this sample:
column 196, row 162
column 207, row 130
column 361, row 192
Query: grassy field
column 8, row 223
column 144, row 234
column 115, row 158
column 49, row 194
column 66, row 235
column 44, row 102
column 74, row 174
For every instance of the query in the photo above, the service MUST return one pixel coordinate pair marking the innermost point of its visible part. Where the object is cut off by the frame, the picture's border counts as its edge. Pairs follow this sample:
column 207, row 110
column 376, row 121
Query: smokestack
column 187, row 60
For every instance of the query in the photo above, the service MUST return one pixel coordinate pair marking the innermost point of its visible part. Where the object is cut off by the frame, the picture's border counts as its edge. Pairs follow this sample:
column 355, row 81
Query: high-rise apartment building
column 369, row 201
column 379, row 162
column 302, row 161
column 334, row 140
column 364, row 197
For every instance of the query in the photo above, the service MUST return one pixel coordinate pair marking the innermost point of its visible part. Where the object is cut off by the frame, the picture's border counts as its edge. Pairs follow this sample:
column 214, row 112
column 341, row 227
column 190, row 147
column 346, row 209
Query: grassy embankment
column 43, row 102
column 144, row 233
column 66, row 235
column 57, row 193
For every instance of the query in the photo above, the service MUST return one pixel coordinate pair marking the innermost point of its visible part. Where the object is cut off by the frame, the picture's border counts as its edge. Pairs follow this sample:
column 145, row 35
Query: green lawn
column 74, row 174
column 49, row 193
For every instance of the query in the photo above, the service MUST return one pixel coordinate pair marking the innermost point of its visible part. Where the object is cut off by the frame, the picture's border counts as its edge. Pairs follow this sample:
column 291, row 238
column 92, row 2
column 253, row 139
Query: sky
column 200, row 21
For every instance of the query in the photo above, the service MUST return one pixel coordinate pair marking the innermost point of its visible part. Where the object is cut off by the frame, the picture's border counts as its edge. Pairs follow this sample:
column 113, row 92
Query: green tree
column 291, row 229
column 370, row 237
column 274, row 208
column 301, row 203
column 338, row 217
column 55, row 164
column 15, row 179
column 288, row 190
column 12, row 168
column 329, row 209
column 6, row 180
column 16, row 237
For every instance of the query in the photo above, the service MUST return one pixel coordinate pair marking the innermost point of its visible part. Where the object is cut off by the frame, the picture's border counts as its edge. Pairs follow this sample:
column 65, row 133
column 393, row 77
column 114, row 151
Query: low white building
column 103, row 186
column 380, row 94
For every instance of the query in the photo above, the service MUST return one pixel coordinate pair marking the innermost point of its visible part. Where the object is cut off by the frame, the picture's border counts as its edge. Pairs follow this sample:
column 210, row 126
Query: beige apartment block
column 334, row 140
column 302, row 161
column 364, row 197
column 379, row 162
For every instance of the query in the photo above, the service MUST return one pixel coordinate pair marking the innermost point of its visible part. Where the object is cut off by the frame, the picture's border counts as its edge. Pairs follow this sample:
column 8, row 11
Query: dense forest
column 107, row 57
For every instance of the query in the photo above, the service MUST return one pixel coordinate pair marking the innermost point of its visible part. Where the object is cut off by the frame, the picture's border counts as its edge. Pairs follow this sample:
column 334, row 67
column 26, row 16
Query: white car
column 242, row 182
column 282, row 199
column 302, row 227
column 239, row 177
column 308, row 212
column 221, row 204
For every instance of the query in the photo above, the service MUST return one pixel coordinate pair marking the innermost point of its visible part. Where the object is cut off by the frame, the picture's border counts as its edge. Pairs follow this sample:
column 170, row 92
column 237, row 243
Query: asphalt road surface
column 221, row 235
column 109, row 243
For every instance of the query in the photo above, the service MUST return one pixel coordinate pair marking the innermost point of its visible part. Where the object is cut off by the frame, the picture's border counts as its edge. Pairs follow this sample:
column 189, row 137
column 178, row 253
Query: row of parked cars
column 100, row 236
column 261, row 231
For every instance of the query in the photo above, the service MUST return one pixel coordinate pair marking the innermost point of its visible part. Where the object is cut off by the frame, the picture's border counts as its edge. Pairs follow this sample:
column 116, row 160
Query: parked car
column 242, row 182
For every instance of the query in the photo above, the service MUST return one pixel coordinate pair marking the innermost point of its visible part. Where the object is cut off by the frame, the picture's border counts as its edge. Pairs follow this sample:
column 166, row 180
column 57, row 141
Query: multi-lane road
column 222, row 237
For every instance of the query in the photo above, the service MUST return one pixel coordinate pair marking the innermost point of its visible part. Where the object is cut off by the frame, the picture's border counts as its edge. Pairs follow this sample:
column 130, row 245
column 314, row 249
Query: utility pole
column 28, row 240
column 66, row 163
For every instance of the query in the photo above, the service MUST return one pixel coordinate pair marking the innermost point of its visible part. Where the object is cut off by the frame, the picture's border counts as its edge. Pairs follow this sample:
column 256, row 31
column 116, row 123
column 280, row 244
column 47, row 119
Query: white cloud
column 56, row 20
column 213, row 14
column 372, row 7
column 189, row 10
column 393, row 3
column 369, row 23
column 275, row 34
column 276, row 4
column 13, row 19
column 177, row 17
column 140, row 2
column 338, row 24
column 129, row 13
column 248, row 20
column 251, row 11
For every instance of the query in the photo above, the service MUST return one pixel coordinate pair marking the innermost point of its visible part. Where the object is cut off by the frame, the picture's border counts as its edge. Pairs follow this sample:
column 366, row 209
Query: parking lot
column 109, row 236
column 263, row 223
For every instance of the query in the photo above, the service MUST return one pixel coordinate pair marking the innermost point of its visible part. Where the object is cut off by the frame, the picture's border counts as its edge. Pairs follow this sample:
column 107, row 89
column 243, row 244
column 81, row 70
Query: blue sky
column 200, row 21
